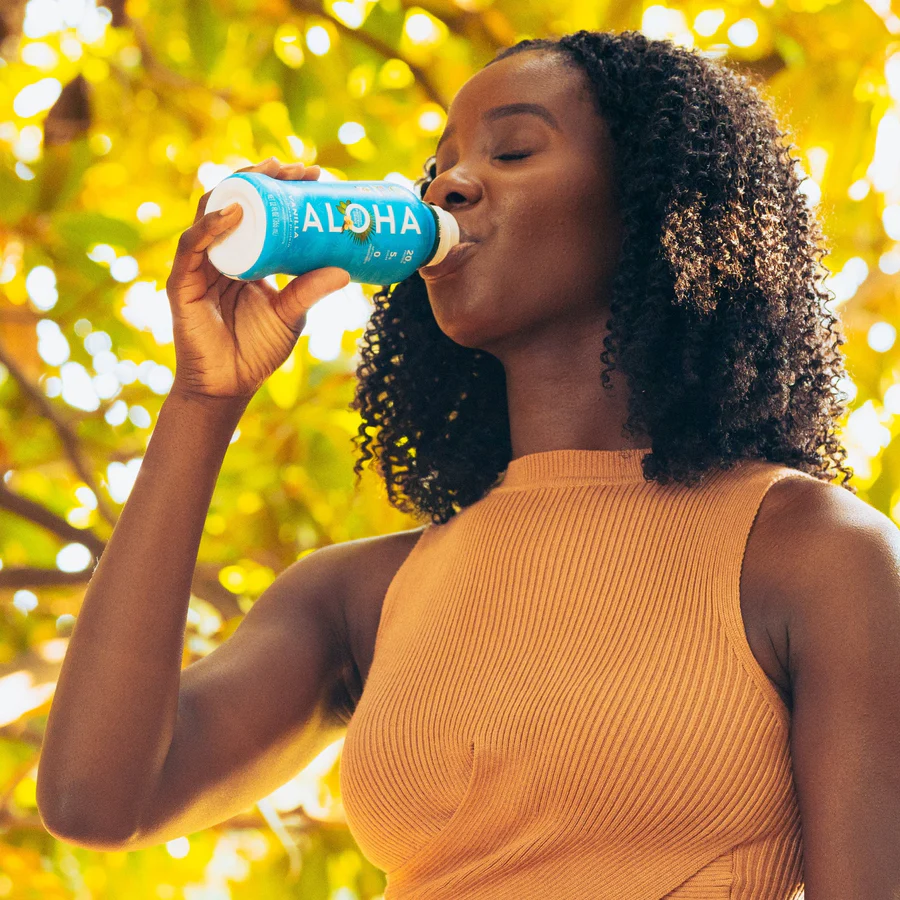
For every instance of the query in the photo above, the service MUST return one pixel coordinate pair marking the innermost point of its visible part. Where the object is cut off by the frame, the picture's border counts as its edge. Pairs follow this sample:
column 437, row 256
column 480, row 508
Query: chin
column 461, row 332
column 474, row 333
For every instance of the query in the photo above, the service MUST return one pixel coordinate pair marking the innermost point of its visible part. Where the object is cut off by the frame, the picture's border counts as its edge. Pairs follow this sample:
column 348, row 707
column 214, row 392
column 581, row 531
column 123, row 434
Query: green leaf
column 17, row 196
column 206, row 33
column 295, row 88
column 86, row 228
column 387, row 26
column 60, row 172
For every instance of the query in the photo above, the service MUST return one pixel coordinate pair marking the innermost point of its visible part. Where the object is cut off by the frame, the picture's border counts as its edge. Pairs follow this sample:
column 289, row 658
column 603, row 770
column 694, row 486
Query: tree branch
column 63, row 430
column 40, row 515
column 312, row 7
column 205, row 583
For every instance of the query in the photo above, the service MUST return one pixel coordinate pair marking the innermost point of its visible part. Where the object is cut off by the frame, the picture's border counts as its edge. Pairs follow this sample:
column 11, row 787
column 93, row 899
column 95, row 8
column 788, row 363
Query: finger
column 201, row 207
column 268, row 166
column 196, row 240
column 303, row 292
column 298, row 172
column 292, row 171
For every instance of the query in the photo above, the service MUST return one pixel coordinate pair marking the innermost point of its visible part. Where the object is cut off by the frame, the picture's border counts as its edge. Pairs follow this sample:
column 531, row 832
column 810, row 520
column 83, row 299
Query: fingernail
column 229, row 209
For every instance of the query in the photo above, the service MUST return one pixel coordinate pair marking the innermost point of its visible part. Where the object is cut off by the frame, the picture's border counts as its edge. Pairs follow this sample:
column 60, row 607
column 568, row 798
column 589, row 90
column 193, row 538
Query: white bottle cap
column 241, row 247
column 448, row 237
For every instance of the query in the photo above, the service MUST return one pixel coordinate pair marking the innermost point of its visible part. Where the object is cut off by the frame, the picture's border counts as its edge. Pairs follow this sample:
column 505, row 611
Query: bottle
column 378, row 231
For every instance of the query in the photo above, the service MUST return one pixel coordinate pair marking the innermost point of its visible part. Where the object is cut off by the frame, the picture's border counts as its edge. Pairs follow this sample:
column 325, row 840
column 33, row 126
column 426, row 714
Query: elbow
column 67, row 822
column 81, row 834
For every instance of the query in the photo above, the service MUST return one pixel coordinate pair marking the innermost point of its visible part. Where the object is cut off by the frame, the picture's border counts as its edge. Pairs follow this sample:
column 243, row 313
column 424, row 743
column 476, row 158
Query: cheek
column 549, row 216
column 551, row 243
column 569, row 235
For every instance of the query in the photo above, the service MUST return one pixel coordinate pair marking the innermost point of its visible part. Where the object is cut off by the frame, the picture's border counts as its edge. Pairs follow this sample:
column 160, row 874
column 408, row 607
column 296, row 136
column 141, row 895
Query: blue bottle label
column 378, row 231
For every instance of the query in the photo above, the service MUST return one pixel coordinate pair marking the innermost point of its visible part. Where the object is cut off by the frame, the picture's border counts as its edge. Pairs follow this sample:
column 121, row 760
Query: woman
column 645, row 647
column 577, row 688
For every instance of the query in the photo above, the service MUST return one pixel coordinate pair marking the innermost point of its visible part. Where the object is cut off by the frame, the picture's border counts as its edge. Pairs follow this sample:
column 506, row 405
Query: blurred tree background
column 115, row 117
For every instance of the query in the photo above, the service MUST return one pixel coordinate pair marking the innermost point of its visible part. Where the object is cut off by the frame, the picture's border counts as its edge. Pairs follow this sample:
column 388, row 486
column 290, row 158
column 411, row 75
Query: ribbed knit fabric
column 563, row 704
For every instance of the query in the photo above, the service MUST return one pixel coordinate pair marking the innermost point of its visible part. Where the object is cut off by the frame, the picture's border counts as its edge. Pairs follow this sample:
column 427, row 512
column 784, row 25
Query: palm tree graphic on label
column 354, row 219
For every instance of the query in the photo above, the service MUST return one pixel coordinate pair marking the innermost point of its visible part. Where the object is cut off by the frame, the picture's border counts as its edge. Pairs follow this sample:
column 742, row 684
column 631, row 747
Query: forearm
column 116, row 701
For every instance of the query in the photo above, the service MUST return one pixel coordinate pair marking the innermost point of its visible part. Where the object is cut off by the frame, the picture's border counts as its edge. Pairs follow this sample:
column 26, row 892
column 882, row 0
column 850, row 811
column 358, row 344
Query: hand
column 230, row 336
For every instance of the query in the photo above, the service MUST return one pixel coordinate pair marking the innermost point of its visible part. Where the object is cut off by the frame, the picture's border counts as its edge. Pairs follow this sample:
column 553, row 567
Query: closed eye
column 503, row 156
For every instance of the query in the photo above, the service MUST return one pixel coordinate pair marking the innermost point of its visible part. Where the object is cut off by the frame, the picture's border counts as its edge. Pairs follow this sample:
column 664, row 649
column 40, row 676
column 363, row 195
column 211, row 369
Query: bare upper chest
column 764, row 619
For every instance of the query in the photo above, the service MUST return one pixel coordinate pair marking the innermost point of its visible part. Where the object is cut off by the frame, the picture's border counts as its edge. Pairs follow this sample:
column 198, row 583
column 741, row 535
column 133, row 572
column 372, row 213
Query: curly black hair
column 718, row 315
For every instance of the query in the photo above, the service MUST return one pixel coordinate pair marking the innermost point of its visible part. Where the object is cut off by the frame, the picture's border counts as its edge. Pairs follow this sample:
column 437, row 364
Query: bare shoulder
column 797, row 509
column 802, row 523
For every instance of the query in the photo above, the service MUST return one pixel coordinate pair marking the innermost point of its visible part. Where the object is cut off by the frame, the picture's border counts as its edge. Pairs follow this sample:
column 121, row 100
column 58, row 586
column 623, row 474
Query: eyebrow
column 508, row 109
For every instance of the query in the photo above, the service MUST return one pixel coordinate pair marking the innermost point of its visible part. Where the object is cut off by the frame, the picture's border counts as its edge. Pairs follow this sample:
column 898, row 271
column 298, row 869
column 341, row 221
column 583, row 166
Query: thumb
column 300, row 294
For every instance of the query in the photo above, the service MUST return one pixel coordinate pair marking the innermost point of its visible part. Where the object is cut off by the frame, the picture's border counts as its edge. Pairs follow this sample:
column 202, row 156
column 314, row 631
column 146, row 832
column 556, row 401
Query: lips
column 457, row 255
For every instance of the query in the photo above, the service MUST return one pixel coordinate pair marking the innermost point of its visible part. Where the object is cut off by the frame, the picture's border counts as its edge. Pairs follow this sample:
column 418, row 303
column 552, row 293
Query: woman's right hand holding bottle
column 230, row 336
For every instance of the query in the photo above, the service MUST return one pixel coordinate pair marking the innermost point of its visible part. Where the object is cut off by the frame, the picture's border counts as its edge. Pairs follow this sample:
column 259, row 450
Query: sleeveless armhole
column 739, row 514
column 387, row 606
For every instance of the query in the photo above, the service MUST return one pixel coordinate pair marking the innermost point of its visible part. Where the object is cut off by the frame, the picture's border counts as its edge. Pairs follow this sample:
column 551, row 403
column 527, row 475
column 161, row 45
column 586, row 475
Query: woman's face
column 547, row 230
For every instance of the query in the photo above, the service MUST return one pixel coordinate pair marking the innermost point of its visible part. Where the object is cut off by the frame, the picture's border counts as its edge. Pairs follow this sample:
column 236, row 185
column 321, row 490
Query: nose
column 452, row 189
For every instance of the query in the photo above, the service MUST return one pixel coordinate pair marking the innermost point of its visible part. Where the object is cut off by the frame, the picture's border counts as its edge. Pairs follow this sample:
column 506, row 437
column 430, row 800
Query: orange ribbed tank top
column 562, row 702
